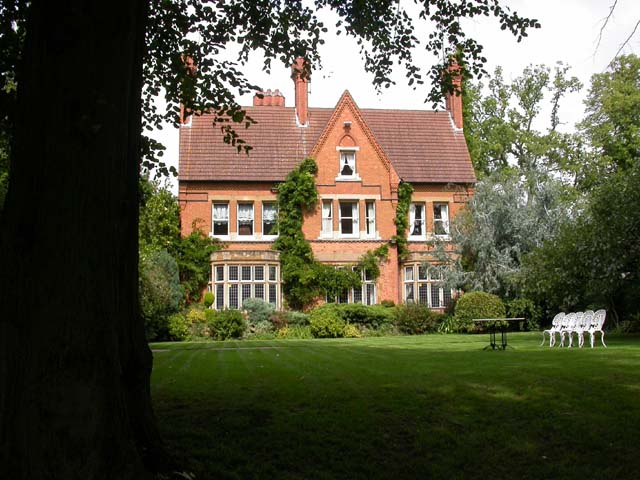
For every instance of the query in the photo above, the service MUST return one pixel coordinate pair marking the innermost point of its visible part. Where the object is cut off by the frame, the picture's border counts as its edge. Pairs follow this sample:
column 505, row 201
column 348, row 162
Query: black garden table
column 493, row 326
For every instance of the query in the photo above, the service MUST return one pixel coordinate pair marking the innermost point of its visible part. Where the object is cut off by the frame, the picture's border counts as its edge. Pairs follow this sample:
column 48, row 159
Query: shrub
column 179, row 327
column 373, row 316
column 526, row 308
column 351, row 331
column 477, row 305
column 325, row 322
column 295, row 332
column 160, row 292
column 279, row 320
column 388, row 303
column 208, row 299
column 197, row 321
column 415, row 319
column 259, row 315
column 297, row 318
column 226, row 324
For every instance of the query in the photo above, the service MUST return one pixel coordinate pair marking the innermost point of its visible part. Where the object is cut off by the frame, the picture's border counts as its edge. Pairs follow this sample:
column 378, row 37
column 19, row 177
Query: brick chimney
column 301, row 79
column 453, row 100
column 191, row 69
column 268, row 98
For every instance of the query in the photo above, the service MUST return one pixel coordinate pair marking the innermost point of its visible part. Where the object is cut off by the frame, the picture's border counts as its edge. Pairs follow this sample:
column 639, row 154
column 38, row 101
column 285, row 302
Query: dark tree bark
column 74, row 365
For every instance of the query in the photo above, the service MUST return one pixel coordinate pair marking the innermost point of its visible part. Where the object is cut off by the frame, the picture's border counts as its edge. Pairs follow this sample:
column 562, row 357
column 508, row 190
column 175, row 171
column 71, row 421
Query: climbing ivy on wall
column 304, row 279
column 402, row 219
column 297, row 195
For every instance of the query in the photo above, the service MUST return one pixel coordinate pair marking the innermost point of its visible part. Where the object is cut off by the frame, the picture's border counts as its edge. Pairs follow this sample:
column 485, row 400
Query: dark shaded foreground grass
column 401, row 407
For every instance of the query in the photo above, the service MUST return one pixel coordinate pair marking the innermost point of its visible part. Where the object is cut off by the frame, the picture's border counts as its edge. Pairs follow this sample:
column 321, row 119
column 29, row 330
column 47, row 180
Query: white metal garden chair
column 596, row 326
column 555, row 328
column 582, row 325
column 567, row 324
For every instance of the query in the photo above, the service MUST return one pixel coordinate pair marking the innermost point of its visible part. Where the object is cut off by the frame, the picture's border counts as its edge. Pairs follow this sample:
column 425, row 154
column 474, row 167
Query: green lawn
column 434, row 406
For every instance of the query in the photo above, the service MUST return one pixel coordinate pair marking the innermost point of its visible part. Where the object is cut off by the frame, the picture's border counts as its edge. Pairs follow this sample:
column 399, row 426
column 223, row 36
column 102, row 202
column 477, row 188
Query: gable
column 347, row 149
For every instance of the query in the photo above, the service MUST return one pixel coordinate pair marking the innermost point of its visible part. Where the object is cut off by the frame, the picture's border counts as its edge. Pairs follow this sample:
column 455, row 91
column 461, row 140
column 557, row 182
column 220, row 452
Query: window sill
column 219, row 237
column 350, row 178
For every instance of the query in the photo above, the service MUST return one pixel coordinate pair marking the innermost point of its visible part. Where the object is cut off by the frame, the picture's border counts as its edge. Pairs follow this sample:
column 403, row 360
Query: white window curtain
column 416, row 219
column 347, row 164
column 245, row 212
column 441, row 218
column 327, row 217
column 269, row 212
column 220, row 212
column 371, row 218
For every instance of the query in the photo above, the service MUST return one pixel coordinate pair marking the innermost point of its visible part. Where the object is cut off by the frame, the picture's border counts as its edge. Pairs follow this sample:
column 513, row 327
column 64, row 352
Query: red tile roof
column 421, row 145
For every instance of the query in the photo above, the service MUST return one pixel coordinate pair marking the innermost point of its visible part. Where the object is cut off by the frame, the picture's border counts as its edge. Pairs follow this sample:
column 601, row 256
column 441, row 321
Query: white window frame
column 349, row 155
column 412, row 220
column 441, row 220
column 416, row 277
column 327, row 218
column 251, row 279
column 355, row 218
column 370, row 218
column 275, row 219
column 214, row 219
column 238, row 220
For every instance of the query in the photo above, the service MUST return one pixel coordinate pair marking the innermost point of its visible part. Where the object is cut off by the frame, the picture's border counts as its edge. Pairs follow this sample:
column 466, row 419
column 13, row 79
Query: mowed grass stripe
column 402, row 407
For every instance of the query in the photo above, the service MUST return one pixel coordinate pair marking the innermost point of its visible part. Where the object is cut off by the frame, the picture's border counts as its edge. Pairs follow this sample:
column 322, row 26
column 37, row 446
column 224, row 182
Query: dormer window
column 347, row 166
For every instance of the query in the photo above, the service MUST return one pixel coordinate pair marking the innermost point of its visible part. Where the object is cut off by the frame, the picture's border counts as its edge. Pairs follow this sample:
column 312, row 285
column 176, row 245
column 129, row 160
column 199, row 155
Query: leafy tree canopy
column 502, row 127
column 612, row 122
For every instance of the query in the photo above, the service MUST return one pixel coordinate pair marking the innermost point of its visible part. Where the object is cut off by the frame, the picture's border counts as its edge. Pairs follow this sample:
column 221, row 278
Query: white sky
column 569, row 33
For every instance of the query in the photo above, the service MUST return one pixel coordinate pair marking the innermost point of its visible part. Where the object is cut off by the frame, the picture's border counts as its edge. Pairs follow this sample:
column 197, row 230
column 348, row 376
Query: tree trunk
column 74, row 365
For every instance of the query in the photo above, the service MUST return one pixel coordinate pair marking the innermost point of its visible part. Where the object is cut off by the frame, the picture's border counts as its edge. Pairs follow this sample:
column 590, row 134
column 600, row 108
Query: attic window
column 347, row 164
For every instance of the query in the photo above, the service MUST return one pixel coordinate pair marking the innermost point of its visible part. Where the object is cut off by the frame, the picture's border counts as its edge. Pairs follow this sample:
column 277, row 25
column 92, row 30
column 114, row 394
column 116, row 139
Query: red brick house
column 362, row 156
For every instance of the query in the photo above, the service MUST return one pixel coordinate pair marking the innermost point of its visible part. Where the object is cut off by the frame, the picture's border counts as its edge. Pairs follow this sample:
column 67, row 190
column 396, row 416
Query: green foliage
column 296, row 195
column 179, row 327
column 259, row 315
column 370, row 261
column 500, row 127
column 295, row 332
column 159, row 219
column 402, row 219
column 159, row 229
column 595, row 257
column 612, row 123
column 477, row 305
column 193, row 254
column 197, row 320
column 369, row 316
column 226, row 324
column 388, row 303
column 499, row 225
column 351, row 331
column 160, row 292
column 297, row 318
column 208, row 299
column 416, row 319
column 525, row 308
column 326, row 322
column 333, row 281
